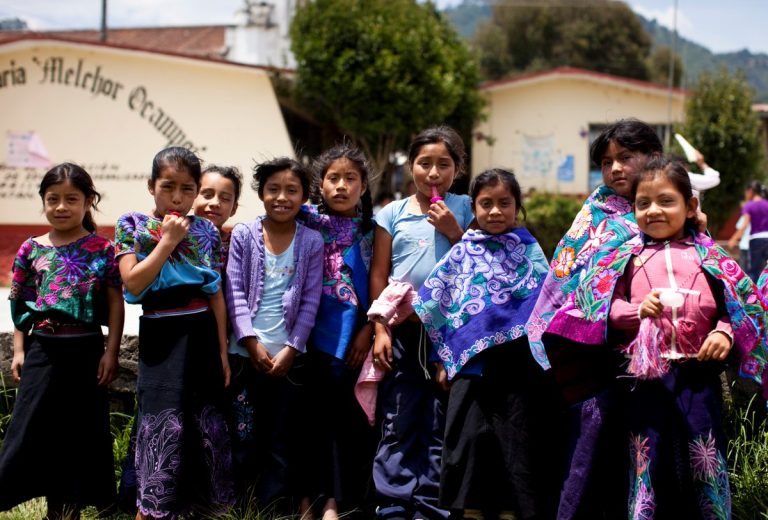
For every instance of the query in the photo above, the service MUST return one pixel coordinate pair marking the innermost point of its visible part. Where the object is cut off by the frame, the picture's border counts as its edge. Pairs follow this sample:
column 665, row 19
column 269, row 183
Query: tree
column 720, row 122
column 382, row 70
column 600, row 35
column 658, row 67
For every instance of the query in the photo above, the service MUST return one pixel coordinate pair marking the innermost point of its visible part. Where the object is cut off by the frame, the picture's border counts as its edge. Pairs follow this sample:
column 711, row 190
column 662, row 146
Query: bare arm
column 109, row 360
column 219, row 308
column 18, row 354
column 136, row 275
column 380, row 267
column 734, row 240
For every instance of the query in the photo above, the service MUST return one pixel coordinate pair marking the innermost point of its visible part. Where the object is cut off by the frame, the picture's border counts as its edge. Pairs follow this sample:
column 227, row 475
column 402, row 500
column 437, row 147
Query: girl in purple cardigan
column 273, row 286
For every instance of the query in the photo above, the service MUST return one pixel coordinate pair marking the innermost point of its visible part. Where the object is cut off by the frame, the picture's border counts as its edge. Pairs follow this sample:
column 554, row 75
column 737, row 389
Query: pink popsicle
column 435, row 195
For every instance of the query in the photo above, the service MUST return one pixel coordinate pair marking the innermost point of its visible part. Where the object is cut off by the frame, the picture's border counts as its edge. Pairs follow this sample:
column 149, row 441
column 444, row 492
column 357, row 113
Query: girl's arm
column 219, row 308
column 18, row 354
column 734, row 240
column 440, row 216
column 381, row 264
column 361, row 344
column 236, row 291
column 136, row 275
column 109, row 363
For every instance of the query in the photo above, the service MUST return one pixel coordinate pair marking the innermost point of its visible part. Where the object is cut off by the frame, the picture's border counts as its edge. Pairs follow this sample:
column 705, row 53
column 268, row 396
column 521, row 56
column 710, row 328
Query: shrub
column 549, row 217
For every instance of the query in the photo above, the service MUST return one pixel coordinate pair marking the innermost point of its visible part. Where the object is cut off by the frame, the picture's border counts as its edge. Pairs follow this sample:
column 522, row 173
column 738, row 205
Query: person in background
column 755, row 218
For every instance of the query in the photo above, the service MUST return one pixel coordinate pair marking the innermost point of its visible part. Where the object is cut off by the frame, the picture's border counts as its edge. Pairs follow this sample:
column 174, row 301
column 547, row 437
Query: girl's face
column 619, row 165
column 65, row 207
column 174, row 190
column 495, row 209
column 661, row 210
column 216, row 200
column 283, row 196
column 342, row 187
column 433, row 166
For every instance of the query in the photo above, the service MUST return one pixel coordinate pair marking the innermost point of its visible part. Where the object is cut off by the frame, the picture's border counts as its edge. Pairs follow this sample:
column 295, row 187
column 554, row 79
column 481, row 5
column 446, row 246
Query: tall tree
column 600, row 35
column 658, row 67
column 381, row 70
column 720, row 122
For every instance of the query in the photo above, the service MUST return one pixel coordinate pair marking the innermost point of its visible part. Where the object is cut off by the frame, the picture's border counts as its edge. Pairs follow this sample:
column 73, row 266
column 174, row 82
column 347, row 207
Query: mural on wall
column 538, row 155
column 565, row 170
column 26, row 150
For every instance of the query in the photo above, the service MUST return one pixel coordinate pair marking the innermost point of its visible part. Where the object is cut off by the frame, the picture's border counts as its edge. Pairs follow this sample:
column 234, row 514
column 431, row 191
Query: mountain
column 696, row 58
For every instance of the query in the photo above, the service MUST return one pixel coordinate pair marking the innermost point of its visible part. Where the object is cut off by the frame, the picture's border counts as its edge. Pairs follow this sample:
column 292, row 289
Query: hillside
column 696, row 58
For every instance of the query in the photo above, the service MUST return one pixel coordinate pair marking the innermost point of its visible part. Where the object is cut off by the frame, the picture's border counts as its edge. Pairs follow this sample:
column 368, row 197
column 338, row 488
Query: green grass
column 748, row 466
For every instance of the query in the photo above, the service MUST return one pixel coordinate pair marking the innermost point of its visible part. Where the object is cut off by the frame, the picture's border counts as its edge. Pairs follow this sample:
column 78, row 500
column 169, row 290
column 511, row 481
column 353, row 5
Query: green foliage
column 721, row 124
column 549, row 217
column 7, row 398
column 601, row 35
column 748, row 466
column 381, row 70
column 658, row 67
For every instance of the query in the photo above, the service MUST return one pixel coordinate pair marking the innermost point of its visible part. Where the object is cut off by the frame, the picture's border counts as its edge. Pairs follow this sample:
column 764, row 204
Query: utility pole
column 671, row 84
column 103, row 20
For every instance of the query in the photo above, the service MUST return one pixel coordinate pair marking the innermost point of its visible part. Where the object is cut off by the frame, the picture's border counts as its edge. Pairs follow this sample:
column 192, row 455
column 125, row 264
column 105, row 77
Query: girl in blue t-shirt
column 170, row 262
column 411, row 236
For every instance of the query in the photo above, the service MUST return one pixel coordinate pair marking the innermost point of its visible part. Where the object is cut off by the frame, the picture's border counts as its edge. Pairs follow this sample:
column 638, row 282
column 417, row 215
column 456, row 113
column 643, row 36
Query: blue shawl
column 480, row 294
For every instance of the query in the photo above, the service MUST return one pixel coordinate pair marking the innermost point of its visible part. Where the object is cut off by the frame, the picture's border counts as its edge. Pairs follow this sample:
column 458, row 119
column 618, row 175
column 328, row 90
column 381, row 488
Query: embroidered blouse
column 68, row 281
column 194, row 262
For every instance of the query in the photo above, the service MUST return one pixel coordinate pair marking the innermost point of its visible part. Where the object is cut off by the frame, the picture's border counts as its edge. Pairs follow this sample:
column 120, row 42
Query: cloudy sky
column 719, row 25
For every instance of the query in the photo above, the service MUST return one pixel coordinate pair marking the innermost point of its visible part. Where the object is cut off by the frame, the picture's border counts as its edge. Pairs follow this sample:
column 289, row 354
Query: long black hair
column 78, row 178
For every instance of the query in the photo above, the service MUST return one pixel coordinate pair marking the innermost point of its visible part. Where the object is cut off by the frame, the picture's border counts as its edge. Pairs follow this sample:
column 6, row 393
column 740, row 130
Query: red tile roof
column 205, row 41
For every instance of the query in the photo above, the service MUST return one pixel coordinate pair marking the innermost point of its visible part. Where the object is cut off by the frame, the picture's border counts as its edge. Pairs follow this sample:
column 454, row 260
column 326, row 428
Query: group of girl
column 253, row 345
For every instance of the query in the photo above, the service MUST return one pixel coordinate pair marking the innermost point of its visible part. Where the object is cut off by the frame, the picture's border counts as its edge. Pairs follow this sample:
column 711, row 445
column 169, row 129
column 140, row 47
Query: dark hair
column 758, row 188
column 676, row 172
column 176, row 157
column 493, row 177
column 228, row 172
column 440, row 134
column 78, row 178
column 631, row 133
column 357, row 157
column 263, row 171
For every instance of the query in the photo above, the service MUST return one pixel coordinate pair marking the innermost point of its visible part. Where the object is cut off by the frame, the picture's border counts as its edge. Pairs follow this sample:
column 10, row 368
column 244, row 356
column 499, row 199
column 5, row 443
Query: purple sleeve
column 236, row 291
column 310, row 293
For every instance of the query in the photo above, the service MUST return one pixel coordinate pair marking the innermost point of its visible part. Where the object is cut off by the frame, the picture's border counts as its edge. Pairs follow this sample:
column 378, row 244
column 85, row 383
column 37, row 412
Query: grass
column 748, row 466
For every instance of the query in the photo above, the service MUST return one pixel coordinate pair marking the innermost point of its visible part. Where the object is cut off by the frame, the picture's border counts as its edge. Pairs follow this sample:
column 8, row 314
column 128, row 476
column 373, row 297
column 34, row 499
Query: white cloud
column 666, row 18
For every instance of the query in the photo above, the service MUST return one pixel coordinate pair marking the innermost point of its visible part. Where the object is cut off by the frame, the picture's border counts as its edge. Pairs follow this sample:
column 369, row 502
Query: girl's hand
column 441, row 377
column 174, row 228
column 382, row 347
column 226, row 370
column 651, row 307
column 16, row 365
column 260, row 357
column 715, row 347
column 360, row 347
column 283, row 361
column 108, row 365
column 444, row 221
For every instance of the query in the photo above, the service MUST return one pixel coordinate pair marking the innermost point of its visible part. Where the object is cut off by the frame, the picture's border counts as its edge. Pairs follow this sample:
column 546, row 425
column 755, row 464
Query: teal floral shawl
column 584, row 317
column 605, row 221
column 480, row 294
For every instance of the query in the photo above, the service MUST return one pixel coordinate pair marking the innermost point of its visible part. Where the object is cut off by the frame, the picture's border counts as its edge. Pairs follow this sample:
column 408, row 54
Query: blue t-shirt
column 416, row 245
column 269, row 322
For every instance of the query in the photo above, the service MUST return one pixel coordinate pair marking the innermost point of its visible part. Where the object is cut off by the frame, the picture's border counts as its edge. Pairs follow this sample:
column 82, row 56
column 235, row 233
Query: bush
column 748, row 465
column 549, row 217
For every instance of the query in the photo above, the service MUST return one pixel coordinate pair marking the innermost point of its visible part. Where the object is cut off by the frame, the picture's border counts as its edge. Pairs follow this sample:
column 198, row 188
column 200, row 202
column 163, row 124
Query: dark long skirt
column 487, row 451
column 338, row 454
column 406, row 468
column 183, row 451
column 58, row 444
column 266, row 434
column 678, row 446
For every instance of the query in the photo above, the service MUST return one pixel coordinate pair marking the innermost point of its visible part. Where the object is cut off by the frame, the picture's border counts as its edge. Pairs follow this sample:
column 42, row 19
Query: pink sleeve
column 623, row 314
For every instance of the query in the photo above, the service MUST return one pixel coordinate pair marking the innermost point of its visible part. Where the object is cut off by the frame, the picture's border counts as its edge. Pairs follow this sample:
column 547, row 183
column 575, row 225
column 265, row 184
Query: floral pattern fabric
column 605, row 221
column 69, row 280
column 480, row 294
column 584, row 317
column 194, row 261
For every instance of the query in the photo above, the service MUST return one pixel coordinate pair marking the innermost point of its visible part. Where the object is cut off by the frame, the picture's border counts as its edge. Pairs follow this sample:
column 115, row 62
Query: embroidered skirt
column 183, row 451
column 58, row 443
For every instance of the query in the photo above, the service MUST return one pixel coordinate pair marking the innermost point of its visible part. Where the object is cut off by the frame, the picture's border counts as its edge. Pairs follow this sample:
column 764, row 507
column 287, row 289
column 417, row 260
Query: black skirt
column 486, row 454
column 58, row 443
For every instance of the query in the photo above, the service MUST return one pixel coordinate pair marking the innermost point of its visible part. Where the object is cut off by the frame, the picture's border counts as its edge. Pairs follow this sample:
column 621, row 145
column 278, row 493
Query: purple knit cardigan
column 245, row 281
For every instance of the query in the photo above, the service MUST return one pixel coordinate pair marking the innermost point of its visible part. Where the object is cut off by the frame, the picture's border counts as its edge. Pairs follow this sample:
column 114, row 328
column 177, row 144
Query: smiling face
column 661, row 210
column 342, row 187
column 174, row 191
column 433, row 166
column 65, row 207
column 495, row 209
column 618, row 166
column 282, row 196
column 216, row 200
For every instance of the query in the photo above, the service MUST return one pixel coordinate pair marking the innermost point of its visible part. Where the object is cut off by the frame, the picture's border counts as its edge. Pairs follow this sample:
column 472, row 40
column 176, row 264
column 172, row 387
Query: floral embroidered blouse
column 194, row 262
column 68, row 281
